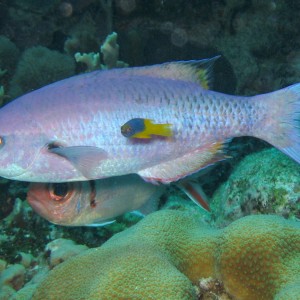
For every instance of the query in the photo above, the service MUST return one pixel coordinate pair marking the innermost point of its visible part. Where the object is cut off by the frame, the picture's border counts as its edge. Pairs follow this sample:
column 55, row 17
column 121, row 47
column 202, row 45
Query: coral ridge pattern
column 165, row 255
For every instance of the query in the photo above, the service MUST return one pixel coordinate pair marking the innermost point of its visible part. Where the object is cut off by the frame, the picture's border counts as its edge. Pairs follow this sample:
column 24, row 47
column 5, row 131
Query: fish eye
column 2, row 142
column 60, row 191
column 53, row 145
column 126, row 130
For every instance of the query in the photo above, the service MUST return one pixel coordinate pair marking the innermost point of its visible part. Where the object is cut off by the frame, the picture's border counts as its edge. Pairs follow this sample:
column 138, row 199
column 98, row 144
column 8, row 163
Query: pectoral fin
column 84, row 158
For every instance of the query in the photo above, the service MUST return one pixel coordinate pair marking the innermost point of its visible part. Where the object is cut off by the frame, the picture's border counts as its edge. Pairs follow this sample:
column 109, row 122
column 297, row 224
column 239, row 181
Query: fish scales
column 81, row 117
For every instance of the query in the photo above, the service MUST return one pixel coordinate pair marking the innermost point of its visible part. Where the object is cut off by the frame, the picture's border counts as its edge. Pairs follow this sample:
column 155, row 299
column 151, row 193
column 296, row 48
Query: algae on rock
column 267, row 182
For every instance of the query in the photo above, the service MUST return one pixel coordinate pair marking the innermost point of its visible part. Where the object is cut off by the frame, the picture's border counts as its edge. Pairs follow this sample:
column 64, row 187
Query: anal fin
column 185, row 165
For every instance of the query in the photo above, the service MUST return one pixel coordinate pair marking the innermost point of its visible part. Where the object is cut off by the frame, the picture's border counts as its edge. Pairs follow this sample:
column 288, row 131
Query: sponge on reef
column 165, row 255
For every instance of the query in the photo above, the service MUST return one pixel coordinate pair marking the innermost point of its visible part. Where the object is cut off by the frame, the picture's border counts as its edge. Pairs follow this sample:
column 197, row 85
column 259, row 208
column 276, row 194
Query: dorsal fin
column 198, row 71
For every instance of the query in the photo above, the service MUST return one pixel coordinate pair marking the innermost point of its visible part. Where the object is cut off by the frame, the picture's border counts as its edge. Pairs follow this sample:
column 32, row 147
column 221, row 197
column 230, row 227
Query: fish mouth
column 15, row 177
column 35, row 203
column 26, row 169
column 16, row 174
column 39, row 198
column 36, row 197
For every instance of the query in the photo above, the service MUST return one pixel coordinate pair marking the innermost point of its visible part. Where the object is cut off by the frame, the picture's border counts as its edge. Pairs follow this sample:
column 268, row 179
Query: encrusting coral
column 166, row 254
column 265, row 182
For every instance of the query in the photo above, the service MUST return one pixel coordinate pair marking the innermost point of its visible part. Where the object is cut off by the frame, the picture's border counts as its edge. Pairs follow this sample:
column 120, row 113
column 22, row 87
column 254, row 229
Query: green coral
column 39, row 66
column 9, row 54
column 264, row 182
column 2, row 95
column 165, row 255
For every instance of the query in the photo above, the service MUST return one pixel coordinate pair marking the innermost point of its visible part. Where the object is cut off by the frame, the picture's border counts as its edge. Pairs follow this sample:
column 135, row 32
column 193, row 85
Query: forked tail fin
column 281, row 125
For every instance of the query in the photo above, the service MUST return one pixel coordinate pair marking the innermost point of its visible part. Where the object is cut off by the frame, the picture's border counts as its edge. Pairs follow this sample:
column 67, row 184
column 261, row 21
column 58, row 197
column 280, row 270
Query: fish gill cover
column 44, row 41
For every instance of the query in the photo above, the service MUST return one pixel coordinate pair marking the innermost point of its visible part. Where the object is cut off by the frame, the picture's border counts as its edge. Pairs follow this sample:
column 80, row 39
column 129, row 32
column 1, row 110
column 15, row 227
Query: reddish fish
column 70, row 130
column 99, row 202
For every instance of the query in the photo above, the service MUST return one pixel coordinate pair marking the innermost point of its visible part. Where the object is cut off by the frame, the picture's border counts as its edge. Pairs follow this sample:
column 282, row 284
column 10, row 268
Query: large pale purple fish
column 71, row 130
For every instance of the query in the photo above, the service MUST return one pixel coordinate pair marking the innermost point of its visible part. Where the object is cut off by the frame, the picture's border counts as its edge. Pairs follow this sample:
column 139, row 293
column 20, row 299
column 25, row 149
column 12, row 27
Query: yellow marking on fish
column 145, row 128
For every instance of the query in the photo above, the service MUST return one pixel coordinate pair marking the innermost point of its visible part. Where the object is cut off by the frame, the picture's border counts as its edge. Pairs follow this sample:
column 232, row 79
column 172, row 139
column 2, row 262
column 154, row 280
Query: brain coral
column 266, row 182
column 165, row 255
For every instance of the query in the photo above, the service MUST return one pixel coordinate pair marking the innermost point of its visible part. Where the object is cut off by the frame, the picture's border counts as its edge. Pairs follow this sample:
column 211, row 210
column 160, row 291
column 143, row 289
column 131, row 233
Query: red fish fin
column 84, row 158
column 198, row 71
column 185, row 165
column 195, row 192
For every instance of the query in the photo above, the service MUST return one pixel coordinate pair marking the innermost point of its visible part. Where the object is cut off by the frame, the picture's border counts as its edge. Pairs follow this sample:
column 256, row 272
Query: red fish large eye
column 60, row 191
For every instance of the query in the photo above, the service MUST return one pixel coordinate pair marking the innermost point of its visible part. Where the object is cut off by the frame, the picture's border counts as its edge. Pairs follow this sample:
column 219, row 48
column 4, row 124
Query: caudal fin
column 282, row 121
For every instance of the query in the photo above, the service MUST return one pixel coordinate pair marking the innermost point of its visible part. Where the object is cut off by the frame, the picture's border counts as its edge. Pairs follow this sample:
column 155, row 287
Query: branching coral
column 256, row 257
column 110, row 55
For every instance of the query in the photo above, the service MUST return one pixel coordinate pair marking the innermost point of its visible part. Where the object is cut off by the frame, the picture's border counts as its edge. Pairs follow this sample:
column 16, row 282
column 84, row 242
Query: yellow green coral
column 166, row 254
column 265, row 182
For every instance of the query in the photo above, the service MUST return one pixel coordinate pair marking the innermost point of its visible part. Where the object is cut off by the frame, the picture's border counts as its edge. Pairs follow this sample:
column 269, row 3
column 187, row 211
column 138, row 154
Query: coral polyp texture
column 266, row 182
column 166, row 255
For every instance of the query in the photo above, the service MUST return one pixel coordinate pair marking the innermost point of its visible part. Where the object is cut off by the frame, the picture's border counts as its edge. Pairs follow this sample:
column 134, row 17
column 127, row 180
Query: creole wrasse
column 99, row 202
column 70, row 130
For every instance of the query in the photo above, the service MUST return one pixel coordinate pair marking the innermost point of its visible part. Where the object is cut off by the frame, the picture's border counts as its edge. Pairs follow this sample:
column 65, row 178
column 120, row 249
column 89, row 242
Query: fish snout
column 49, row 192
column 35, row 192
column 37, row 197
column 50, row 200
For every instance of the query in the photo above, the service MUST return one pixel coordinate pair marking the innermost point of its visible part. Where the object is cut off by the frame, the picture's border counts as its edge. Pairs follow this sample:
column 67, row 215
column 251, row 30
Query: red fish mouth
column 36, row 196
column 43, row 199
